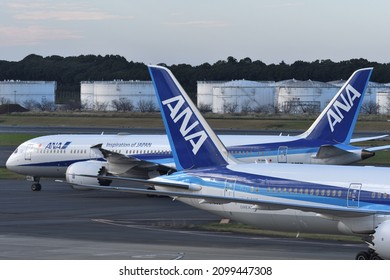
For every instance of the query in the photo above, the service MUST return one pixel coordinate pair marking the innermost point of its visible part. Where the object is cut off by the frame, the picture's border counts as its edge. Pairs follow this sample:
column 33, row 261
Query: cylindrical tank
column 19, row 92
column 242, row 95
column 205, row 94
column 87, row 95
column 103, row 93
column 383, row 100
column 296, row 96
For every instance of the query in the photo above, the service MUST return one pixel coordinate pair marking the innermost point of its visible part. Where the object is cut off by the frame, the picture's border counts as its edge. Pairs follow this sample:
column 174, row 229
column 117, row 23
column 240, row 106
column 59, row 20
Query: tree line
column 68, row 72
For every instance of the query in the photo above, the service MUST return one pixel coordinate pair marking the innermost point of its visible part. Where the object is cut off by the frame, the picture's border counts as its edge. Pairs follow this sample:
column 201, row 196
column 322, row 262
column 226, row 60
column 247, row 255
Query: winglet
column 194, row 144
column 337, row 122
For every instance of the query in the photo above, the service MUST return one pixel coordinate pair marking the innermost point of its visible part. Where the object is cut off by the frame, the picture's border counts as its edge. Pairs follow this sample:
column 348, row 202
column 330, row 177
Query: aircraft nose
column 11, row 162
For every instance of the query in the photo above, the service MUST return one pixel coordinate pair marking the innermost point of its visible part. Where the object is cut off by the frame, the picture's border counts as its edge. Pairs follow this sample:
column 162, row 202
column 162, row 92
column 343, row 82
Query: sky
column 196, row 32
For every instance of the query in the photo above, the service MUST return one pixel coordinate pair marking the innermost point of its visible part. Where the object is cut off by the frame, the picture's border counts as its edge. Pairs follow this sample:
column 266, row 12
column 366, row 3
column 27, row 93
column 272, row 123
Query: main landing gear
column 367, row 255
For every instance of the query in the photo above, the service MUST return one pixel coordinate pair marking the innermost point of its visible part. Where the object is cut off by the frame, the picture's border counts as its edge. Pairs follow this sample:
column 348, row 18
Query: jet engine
column 90, row 167
column 381, row 240
column 379, row 244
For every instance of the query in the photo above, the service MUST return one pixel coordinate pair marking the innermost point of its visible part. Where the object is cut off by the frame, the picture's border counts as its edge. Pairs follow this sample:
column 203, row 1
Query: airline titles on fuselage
column 57, row 145
column 129, row 145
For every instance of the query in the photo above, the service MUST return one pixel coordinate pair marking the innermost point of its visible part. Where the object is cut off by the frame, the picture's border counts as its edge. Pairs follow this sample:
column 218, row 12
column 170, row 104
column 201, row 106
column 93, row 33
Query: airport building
column 26, row 93
column 118, row 95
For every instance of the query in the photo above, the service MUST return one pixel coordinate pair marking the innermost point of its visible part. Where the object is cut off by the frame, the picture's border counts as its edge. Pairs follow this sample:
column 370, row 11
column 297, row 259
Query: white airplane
column 327, row 141
column 353, row 200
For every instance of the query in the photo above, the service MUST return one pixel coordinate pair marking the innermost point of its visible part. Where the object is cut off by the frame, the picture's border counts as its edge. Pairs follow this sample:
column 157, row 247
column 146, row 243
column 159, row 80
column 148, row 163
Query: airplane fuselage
column 50, row 156
column 293, row 185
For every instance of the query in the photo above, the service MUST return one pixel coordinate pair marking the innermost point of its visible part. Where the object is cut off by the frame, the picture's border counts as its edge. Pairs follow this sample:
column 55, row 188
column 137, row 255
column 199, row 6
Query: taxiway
column 61, row 223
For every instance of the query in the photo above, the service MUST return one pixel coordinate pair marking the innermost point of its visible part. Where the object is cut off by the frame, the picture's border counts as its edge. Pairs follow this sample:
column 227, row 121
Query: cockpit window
column 16, row 151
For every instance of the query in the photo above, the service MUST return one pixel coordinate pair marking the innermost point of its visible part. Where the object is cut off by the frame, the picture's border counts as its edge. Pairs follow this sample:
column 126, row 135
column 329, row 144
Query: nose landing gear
column 36, row 186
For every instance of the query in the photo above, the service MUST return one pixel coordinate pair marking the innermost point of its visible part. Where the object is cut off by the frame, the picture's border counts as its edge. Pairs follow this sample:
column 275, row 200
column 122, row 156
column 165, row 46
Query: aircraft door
column 230, row 185
column 282, row 154
column 354, row 195
column 29, row 150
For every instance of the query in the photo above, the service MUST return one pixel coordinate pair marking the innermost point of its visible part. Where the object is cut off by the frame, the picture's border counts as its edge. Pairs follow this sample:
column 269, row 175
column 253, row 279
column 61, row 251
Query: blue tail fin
column 337, row 122
column 193, row 142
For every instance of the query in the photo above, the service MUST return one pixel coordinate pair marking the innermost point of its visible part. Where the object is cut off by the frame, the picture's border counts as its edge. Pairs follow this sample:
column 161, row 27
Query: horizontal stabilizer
column 362, row 139
column 379, row 148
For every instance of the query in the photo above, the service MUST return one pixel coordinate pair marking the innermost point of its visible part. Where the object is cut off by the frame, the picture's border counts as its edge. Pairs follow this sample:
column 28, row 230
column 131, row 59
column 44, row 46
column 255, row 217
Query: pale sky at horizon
column 194, row 32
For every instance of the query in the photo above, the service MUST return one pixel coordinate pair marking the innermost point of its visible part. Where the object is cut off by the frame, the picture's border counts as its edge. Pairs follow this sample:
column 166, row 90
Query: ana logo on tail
column 197, row 138
column 336, row 116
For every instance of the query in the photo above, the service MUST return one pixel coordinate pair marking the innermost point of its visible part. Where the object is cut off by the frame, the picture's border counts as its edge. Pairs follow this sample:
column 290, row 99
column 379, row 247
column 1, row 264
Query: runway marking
column 177, row 256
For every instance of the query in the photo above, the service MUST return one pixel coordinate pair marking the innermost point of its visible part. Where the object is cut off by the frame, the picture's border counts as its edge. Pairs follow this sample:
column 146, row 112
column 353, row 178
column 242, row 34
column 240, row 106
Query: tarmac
column 59, row 223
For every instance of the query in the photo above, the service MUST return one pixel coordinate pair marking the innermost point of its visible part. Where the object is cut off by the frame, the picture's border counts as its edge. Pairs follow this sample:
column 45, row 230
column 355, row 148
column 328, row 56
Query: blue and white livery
column 327, row 141
column 299, row 198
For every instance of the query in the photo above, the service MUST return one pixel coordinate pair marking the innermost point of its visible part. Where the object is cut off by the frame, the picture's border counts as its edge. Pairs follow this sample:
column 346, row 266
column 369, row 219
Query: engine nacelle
column 381, row 240
column 90, row 167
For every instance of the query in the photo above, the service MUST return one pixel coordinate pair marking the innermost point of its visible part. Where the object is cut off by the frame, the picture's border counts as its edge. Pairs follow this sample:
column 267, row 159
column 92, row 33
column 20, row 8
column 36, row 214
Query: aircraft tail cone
column 367, row 154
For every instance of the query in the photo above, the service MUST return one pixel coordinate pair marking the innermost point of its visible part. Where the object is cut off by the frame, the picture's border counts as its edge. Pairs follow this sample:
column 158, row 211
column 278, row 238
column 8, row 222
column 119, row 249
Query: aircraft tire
column 36, row 187
column 362, row 256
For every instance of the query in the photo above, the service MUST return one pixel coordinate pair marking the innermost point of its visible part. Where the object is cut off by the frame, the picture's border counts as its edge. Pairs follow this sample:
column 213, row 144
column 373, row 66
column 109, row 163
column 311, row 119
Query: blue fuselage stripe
column 281, row 188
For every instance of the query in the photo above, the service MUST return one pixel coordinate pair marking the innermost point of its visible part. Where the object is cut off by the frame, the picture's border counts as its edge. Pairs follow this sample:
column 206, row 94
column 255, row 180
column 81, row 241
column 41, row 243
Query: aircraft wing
column 126, row 163
column 362, row 139
column 327, row 211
